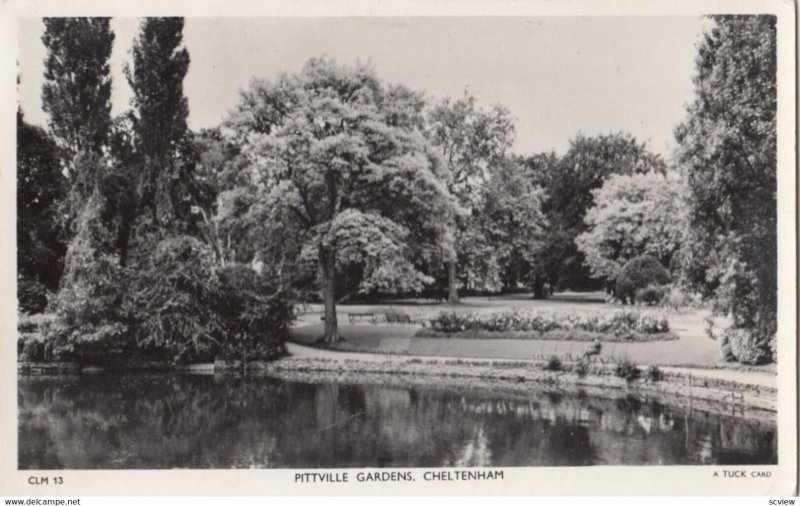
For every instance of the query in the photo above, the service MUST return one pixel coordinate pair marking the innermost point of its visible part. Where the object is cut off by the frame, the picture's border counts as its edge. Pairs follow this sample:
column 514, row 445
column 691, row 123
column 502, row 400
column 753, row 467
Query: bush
column 33, row 348
column 188, row 309
column 654, row 374
column 35, row 323
column 258, row 313
column 650, row 295
column 639, row 273
column 173, row 300
column 677, row 298
column 581, row 368
column 31, row 295
column 553, row 364
column 744, row 345
column 627, row 370
column 32, row 345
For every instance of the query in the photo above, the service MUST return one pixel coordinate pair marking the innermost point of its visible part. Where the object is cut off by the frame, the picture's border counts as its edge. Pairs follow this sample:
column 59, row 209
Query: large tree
column 161, row 135
column 568, row 182
column 76, row 96
column 501, row 242
column 472, row 142
column 632, row 215
column 728, row 152
column 341, row 159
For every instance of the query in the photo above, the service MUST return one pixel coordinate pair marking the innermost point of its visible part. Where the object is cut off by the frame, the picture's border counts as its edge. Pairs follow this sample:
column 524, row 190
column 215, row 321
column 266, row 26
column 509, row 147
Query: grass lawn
column 691, row 348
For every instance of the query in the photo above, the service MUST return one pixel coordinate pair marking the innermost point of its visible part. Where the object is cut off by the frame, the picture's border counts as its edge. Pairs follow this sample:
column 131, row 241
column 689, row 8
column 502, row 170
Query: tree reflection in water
column 194, row 421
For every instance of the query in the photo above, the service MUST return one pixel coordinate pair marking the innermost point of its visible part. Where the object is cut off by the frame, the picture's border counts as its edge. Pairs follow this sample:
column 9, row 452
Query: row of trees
column 113, row 202
column 335, row 175
column 334, row 183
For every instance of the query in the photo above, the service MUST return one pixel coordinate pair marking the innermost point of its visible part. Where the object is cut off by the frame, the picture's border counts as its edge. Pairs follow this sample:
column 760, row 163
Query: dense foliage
column 651, row 294
column 40, row 237
column 498, row 248
column 77, row 90
column 627, row 370
column 136, row 286
column 190, row 309
column 472, row 142
column 569, row 182
column 632, row 215
column 728, row 154
column 181, row 307
column 161, row 136
column 76, row 95
column 637, row 274
column 90, row 321
column 341, row 160
column 160, row 243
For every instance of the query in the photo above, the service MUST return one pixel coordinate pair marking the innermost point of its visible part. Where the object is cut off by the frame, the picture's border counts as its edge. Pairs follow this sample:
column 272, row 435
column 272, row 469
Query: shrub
column 188, row 309
column 33, row 348
column 32, row 345
column 627, row 370
column 31, row 295
column 174, row 299
column 258, row 313
column 553, row 364
column 651, row 324
column 650, row 295
column 677, row 298
column 745, row 346
column 654, row 374
column 27, row 324
column 581, row 368
column 639, row 273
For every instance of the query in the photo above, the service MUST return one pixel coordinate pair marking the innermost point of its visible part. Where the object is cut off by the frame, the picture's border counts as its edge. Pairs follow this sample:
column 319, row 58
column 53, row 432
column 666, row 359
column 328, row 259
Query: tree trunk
column 538, row 288
column 327, row 261
column 452, row 290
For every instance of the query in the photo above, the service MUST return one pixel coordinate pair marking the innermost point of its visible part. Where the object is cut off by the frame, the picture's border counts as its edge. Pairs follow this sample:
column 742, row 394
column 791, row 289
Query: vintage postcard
column 381, row 248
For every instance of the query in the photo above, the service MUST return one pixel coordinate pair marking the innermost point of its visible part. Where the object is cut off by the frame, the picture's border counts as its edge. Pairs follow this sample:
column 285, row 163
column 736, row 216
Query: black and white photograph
column 402, row 249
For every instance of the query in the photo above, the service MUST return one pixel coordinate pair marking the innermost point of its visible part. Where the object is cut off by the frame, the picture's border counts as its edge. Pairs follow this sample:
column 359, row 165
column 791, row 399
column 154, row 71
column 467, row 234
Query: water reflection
column 192, row 421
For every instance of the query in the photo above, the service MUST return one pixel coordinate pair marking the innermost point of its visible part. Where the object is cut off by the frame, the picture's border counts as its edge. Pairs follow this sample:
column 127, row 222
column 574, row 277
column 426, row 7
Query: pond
column 158, row 421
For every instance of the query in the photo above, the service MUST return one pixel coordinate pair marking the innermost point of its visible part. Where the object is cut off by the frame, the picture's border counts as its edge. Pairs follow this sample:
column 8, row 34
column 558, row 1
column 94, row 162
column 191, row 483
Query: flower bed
column 618, row 326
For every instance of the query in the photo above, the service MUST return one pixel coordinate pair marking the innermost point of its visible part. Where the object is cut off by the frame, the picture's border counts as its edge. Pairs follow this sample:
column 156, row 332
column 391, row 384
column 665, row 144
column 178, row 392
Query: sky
column 557, row 75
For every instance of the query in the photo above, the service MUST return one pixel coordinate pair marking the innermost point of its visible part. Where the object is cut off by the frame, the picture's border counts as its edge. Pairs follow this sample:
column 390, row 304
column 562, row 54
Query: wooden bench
column 398, row 317
column 356, row 317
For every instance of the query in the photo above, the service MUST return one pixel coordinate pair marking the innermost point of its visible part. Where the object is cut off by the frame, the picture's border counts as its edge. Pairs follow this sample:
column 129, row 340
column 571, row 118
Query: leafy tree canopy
column 341, row 158
column 632, row 215
column 77, row 90
column 41, row 241
column 727, row 148
column 472, row 142
column 568, row 182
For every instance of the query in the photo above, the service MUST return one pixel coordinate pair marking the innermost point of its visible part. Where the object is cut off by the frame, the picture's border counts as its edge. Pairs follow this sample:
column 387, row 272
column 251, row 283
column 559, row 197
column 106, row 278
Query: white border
column 600, row 480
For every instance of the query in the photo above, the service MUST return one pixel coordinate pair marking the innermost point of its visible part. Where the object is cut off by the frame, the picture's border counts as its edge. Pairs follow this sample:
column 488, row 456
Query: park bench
column 397, row 317
column 356, row 317
column 391, row 316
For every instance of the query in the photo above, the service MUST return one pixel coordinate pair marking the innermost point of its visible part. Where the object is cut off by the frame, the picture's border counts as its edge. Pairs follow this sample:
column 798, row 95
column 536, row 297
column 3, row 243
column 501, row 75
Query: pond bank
column 744, row 393
column 729, row 388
